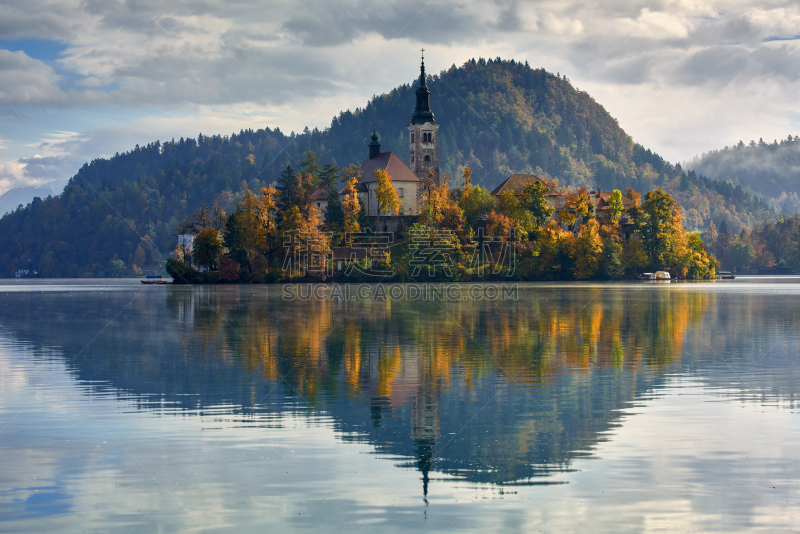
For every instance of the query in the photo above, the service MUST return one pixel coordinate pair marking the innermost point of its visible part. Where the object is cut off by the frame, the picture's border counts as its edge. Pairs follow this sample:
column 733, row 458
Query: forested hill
column 497, row 117
column 771, row 169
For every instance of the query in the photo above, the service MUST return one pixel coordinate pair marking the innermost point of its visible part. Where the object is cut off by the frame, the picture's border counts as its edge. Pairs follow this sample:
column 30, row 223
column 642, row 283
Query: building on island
column 404, row 181
column 407, row 180
column 516, row 183
column 319, row 198
column 423, row 134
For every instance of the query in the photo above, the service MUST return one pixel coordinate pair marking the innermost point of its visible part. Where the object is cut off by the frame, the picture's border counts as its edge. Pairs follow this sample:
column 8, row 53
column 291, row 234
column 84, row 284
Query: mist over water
column 603, row 407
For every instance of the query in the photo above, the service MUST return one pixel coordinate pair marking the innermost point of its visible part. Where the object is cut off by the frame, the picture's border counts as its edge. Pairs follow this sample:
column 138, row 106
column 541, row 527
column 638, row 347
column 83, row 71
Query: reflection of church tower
column 423, row 134
column 425, row 421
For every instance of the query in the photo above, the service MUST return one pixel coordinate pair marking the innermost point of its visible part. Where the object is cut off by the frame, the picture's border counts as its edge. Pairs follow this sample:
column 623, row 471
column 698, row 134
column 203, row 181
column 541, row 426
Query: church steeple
column 423, row 113
column 374, row 146
column 423, row 133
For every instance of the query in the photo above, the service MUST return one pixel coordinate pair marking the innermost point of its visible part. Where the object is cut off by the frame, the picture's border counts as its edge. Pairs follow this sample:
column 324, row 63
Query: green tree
column 616, row 207
column 310, row 165
column 329, row 176
column 139, row 257
column 235, row 239
column 476, row 204
column 742, row 252
column 207, row 248
column 654, row 220
column 534, row 199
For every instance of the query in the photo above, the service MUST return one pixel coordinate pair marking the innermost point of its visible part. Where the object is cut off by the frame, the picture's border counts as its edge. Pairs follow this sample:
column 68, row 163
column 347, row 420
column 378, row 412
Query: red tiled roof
column 390, row 162
column 516, row 183
column 320, row 194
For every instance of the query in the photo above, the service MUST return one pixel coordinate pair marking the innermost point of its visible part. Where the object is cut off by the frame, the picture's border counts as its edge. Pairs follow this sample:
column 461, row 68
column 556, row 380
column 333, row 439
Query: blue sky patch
column 42, row 49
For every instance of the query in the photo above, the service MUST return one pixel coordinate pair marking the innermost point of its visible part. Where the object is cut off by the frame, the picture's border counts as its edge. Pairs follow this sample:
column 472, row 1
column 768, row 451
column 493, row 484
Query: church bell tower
column 423, row 133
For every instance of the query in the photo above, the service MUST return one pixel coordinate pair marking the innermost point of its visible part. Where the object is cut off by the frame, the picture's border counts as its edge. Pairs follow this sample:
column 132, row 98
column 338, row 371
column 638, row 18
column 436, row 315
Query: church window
column 400, row 192
column 427, row 158
column 412, row 137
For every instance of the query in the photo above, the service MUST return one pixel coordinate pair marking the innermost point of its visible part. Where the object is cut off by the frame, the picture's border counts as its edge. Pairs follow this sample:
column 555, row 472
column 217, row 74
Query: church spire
column 374, row 146
column 423, row 113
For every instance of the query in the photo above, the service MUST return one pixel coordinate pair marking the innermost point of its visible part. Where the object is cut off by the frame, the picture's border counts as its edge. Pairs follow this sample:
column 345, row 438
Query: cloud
column 35, row 19
column 11, row 174
column 722, row 65
column 312, row 59
column 24, row 80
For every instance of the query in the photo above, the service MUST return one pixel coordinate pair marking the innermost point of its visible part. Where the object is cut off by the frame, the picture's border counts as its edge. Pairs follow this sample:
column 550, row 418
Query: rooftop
column 516, row 183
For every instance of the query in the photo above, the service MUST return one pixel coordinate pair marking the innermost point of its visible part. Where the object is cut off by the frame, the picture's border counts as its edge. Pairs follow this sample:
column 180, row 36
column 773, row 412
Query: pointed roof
column 423, row 113
column 389, row 162
column 516, row 183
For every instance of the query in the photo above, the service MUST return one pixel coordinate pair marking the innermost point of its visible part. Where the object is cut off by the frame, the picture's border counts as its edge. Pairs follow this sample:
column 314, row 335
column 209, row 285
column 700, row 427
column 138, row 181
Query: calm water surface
column 577, row 407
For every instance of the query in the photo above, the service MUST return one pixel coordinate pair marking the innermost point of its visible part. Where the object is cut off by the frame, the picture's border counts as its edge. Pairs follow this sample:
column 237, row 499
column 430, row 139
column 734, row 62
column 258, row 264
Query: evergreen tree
column 235, row 240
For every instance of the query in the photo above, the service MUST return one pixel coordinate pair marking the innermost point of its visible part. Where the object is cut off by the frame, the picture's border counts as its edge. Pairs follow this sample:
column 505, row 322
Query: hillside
column 770, row 169
column 497, row 117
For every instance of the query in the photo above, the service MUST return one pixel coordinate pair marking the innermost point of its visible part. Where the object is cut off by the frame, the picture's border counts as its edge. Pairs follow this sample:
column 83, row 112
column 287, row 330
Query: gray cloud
column 186, row 54
column 722, row 65
column 27, row 19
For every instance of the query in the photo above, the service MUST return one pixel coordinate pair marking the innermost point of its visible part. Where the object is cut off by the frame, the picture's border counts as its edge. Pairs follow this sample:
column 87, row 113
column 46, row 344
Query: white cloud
column 12, row 174
column 660, row 25
column 294, row 65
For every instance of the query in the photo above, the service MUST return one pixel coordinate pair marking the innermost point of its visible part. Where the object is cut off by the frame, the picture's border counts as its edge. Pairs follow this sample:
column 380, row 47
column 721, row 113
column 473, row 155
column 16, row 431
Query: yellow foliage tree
column 588, row 249
column 385, row 194
column 351, row 206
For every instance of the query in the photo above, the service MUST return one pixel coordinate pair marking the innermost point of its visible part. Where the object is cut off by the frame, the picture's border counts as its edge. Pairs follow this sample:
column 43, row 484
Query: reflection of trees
column 495, row 392
column 423, row 366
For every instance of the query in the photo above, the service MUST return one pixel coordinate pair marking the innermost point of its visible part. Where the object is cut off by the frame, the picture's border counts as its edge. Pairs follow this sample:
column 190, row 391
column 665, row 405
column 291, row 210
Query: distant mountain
column 13, row 198
column 497, row 117
column 771, row 169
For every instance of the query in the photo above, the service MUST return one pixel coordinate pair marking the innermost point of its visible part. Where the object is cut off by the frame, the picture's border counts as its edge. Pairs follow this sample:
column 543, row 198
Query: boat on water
column 153, row 279
column 658, row 275
column 725, row 275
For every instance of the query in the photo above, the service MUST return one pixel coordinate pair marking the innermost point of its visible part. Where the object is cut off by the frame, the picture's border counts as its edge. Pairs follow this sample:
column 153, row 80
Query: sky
column 82, row 79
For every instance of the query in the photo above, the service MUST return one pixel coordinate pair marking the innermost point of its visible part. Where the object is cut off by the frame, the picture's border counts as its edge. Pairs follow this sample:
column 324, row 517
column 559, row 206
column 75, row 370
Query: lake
column 608, row 407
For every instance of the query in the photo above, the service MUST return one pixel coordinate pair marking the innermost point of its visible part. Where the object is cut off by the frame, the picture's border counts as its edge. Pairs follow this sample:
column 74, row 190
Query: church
column 423, row 156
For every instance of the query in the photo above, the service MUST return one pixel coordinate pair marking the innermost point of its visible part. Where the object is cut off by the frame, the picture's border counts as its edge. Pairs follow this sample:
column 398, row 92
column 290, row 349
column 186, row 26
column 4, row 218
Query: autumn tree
column 385, row 194
column 351, row 206
column 516, row 211
column 588, row 249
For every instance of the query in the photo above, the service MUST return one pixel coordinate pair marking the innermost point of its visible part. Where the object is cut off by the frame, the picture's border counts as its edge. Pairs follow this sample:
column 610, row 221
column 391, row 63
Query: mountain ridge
column 497, row 117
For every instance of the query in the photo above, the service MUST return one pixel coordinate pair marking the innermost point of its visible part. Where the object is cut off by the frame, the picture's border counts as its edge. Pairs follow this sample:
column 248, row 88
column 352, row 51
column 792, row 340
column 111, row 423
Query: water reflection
column 503, row 393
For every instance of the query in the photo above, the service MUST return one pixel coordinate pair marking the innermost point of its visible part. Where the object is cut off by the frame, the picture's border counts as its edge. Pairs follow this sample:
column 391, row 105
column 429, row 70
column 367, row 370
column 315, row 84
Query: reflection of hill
column 492, row 393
